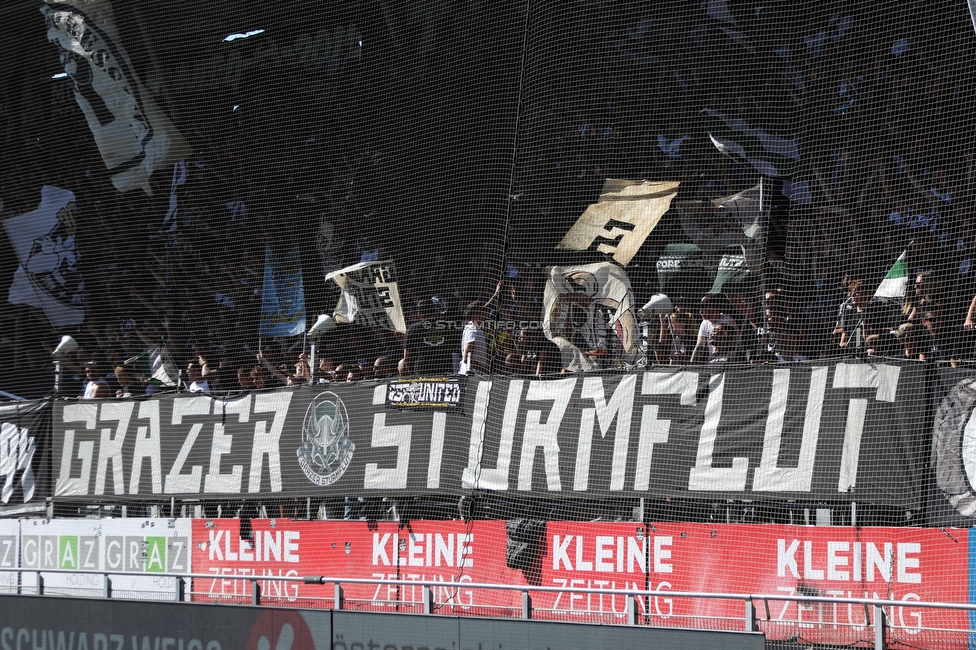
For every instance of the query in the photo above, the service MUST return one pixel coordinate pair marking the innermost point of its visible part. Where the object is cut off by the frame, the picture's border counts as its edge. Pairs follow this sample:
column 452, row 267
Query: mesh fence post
column 338, row 595
column 40, row 585
column 879, row 627
column 179, row 590
column 106, row 586
column 526, row 605
column 631, row 610
column 428, row 598
column 255, row 592
column 750, row 616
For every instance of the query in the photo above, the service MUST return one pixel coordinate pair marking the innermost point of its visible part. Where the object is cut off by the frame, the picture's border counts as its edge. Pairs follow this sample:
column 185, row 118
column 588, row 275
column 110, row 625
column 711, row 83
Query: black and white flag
column 133, row 135
column 48, row 276
column 369, row 295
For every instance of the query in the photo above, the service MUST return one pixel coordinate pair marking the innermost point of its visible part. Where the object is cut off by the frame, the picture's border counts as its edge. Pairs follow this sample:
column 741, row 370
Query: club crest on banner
column 954, row 447
column 326, row 449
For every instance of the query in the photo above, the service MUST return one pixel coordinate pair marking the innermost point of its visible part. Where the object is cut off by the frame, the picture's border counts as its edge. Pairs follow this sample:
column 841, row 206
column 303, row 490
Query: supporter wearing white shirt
column 712, row 315
column 474, row 348
column 197, row 383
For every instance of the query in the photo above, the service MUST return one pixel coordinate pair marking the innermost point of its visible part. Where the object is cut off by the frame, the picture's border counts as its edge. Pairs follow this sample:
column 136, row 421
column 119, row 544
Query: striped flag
column 771, row 155
column 896, row 281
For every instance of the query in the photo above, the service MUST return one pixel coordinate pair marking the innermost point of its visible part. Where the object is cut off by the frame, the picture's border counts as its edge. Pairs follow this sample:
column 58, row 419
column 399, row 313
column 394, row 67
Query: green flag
column 896, row 281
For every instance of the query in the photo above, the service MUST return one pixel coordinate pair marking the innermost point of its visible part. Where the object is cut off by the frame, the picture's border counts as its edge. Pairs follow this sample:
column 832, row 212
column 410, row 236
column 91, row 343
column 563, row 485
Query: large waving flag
column 895, row 283
column 49, row 276
column 370, row 295
column 156, row 365
column 771, row 155
column 132, row 133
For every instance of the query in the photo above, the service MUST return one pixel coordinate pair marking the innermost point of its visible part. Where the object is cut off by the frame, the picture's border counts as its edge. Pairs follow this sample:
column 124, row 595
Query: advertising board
column 443, row 551
column 909, row 565
column 130, row 551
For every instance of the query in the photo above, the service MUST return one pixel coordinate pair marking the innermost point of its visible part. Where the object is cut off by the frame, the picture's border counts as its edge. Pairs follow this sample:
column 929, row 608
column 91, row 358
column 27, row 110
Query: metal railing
column 874, row 609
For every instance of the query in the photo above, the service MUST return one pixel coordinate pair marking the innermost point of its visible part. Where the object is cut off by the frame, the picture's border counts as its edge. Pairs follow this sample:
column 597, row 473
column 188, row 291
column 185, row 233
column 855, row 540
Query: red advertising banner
column 448, row 551
column 904, row 564
column 909, row 565
column 597, row 556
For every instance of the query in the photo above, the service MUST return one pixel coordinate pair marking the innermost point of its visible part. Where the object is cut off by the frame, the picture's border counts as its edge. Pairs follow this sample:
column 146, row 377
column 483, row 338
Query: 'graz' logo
column 326, row 449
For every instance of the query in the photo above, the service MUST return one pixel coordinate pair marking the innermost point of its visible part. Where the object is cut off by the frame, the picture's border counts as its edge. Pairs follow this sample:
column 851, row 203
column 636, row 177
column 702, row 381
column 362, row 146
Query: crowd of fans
column 874, row 98
column 484, row 337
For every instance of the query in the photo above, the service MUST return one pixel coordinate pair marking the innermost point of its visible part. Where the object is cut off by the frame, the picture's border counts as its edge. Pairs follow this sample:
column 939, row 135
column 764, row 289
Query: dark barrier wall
column 28, row 622
column 32, row 622
column 828, row 431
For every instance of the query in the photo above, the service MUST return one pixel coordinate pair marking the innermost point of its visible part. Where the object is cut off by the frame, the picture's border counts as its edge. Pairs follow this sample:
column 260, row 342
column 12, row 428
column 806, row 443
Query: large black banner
column 844, row 431
column 25, row 429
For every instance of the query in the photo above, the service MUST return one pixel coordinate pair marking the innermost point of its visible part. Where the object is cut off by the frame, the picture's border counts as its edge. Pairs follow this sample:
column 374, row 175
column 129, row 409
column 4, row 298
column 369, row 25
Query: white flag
column 133, row 135
column 722, row 222
column 369, row 295
column 638, row 203
column 590, row 308
column 48, row 276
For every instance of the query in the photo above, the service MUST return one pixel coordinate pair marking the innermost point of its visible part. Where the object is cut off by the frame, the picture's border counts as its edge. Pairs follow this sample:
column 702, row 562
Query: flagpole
column 764, row 229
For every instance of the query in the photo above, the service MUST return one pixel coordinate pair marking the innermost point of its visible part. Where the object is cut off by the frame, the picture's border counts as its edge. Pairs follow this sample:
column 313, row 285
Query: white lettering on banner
column 267, row 546
column 475, row 475
column 177, row 483
column 212, row 447
column 215, row 481
column 703, row 476
column 769, row 476
column 424, row 550
column 227, row 587
column 545, row 435
column 585, row 604
column 393, row 478
column 266, row 442
column 146, row 445
column 840, row 560
column 437, row 429
column 620, row 408
column 62, row 640
column 848, row 375
column 471, row 477
column 132, row 554
column 110, row 447
column 653, row 430
column 8, row 551
column 17, row 449
column 858, row 618
column 410, row 594
column 66, row 484
column 611, row 554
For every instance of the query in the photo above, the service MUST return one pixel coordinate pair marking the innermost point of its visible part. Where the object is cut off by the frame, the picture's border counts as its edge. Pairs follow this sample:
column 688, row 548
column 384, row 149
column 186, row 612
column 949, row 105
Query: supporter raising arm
column 275, row 372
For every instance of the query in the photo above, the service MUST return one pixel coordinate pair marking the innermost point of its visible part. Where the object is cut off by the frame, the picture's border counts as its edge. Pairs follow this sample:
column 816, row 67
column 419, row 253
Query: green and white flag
column 771, row 155
column 155, row 365
column 896, row 282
